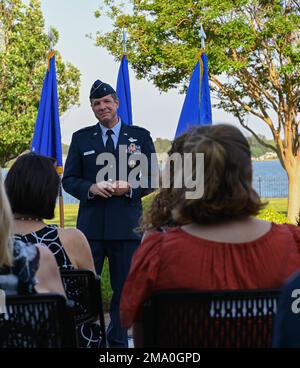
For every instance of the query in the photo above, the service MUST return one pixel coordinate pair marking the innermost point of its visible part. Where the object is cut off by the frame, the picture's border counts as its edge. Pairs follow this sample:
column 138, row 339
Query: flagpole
column 60, row 197
column 61, row 206
column 123, row 86
column 202, row 50
column 196, row 109
column 124, row 40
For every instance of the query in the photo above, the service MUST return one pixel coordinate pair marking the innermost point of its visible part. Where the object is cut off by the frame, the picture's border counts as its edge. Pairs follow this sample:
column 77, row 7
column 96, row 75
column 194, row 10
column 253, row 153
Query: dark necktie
column 110, row 147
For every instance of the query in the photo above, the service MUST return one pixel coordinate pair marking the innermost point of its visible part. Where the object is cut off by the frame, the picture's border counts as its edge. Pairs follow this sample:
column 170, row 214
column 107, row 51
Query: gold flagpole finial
column 51, row 38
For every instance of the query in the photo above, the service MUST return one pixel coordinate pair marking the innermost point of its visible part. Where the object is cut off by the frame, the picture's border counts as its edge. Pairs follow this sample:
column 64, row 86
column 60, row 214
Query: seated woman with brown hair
column 219, row 244
column 32, row 185
column 24, row 268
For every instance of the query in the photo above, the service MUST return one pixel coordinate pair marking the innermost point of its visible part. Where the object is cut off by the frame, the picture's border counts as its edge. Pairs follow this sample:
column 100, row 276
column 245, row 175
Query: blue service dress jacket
column 113, row 218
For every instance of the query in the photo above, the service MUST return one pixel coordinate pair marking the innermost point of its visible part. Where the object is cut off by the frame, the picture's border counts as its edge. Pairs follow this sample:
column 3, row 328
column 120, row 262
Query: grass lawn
column 70, row 211
column 279, row 204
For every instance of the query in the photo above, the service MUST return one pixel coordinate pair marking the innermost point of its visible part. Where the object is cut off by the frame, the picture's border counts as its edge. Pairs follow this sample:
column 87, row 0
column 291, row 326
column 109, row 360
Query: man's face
column 105, row 110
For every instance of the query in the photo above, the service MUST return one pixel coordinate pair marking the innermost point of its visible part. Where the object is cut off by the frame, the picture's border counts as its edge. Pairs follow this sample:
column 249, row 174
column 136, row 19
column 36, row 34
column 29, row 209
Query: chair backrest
column 196, row 319
column 37, row 321
column 84, row 289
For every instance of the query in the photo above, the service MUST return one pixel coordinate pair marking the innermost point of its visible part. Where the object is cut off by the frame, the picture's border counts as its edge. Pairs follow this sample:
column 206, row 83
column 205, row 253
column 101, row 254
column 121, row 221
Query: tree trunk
column 294, row 194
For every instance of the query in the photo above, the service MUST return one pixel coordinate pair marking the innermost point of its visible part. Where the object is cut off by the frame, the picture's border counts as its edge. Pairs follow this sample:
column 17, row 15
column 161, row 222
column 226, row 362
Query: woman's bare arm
column 77, row 247
column 48, row 276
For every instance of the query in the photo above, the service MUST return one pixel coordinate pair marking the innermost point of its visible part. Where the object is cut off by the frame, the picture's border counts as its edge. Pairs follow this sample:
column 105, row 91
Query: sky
column 155, row 111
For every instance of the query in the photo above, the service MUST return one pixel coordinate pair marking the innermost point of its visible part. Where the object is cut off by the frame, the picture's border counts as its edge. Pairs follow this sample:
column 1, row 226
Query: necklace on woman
column 27, row 218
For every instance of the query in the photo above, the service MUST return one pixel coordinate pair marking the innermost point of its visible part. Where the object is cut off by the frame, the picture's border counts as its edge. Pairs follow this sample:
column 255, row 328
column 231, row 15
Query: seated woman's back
column 238, row 231
column 218, row 243
column 177, row 259
column 69, row 246
column 32, row 185
column 71, row 250
column 33, row 268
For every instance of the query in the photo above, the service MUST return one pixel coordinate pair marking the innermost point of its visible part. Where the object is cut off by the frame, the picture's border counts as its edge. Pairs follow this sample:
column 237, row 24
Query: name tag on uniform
column 88, row 153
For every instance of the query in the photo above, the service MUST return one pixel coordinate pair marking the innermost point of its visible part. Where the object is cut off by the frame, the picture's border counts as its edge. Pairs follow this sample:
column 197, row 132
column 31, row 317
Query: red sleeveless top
column 178, row 260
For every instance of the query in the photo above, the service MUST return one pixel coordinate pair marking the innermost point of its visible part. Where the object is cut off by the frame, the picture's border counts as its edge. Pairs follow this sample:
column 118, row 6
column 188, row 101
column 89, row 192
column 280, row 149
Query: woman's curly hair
column 228, row 192
column 158, row 215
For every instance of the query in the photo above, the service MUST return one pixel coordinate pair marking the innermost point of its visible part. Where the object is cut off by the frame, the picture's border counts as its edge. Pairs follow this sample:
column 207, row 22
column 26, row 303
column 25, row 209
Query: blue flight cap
column 100, row 89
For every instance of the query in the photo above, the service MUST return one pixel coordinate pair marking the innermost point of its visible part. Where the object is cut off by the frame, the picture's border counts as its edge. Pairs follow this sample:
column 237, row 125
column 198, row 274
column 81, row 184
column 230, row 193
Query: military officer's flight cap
column 100, row 89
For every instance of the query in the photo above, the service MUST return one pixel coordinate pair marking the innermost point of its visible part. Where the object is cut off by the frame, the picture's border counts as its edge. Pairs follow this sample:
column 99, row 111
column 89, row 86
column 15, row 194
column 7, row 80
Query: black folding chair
column 37, row 321
column 193, row 319
column 84, row 289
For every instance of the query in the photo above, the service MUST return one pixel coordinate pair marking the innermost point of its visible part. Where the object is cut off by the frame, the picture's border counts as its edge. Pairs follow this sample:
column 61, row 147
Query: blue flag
column 123, row 93
column 47, row 137
column 196, row 108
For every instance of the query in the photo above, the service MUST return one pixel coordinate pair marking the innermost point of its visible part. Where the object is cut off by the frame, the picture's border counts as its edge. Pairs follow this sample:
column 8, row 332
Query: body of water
column 269, row 180
column 268, row 168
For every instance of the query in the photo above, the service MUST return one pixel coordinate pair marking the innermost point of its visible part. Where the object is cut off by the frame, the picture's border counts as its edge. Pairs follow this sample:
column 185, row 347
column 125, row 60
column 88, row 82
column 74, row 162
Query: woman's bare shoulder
column 71, row 236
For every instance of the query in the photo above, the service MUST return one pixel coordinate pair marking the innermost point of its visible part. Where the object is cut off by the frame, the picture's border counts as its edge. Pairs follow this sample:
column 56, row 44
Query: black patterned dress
column 88, row 333
column 20, row 277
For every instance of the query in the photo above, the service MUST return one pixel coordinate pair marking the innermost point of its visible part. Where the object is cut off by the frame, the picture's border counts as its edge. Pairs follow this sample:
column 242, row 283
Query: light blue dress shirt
column 115, row 137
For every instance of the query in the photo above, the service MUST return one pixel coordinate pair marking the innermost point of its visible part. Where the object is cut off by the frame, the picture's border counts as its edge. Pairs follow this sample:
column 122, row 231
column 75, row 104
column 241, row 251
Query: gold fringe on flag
column 50, row 56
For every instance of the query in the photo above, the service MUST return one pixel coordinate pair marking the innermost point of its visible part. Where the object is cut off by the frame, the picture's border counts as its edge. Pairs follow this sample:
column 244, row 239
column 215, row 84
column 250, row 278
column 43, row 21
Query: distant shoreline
column 265, row 160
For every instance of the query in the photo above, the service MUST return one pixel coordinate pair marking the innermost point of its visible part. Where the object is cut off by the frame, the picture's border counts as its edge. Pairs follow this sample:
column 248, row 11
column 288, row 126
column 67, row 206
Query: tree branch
column 232, row 95
column 242, row 122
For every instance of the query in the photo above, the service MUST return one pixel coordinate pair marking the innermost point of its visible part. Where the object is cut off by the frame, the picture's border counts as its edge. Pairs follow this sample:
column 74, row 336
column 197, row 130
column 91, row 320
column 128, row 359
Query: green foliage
column 253, row 50
column 257, row 149
column 271, row 215
column 163, row 36
column 23, row 62
column 146, row 201
column 162, row 145
column 65, row 149
column 279, row 204
column 105, row 286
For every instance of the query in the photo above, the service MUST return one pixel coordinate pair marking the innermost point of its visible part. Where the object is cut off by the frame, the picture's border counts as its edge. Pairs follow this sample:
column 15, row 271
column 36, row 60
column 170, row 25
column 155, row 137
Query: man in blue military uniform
column 110, row 207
